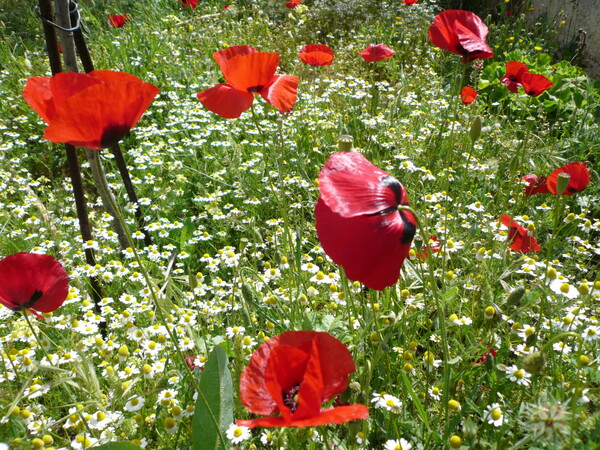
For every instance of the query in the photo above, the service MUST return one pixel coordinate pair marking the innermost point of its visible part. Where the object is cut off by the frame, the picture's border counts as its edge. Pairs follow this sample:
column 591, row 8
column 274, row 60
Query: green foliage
column 214, row 407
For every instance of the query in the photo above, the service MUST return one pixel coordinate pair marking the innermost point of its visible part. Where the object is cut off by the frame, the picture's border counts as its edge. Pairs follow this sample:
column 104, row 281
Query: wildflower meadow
column 320, row 224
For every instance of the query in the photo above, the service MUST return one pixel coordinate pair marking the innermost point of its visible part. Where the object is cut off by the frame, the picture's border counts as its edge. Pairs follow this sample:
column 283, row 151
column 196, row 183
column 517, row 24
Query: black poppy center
column 254, row 89
column 34, row 298
column 290, row 398
column 513, row 79
column 112, row 135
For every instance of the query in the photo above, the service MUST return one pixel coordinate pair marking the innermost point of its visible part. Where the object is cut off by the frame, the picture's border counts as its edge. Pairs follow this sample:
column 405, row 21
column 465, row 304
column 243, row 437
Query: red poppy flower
column 483, row 358
column 409, row 2
column 293, row 374
column 119, row 20
column 468, row 95
column 33, row 282
column 578, row 181
column 535, row 84
column 93, row 110
column 248, row 72
column 519, row 237
column 316, row 55
column 358, row 221
column 292, row 4
column 191, row 3
column 434, row 245
column 377, row 52
column 535, row 184
column 514, row 72
column 460, row 32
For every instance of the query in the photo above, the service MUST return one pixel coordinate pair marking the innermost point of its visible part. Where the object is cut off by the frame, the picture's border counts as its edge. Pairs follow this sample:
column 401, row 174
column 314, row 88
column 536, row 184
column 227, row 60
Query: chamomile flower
column 493, row 415
column 397, row 444
column 520, row 376
column 237, row 434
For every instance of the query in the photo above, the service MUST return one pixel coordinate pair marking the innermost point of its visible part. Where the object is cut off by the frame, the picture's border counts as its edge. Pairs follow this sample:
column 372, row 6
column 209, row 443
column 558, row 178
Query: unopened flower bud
column 534, row 363
column 475, row 131
column 562, row 182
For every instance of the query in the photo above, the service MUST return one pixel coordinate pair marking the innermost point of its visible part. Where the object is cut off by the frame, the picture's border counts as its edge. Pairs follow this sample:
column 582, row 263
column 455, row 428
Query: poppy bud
column 534, row 363
column 514, row 299
column 475, row 131
column 345, row 143
column 562, row 182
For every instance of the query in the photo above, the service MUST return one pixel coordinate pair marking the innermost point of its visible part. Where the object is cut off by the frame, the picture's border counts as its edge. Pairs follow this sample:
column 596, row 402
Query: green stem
column 441, row 316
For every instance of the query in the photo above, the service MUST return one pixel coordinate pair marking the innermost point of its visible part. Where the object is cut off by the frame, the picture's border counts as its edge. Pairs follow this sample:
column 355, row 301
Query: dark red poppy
column 316, row 55
column 514, row 72
column 191, row 3
column 483, row 358
column 535, row 84
column 93, row 110
column 119, row 20
column 519, row 238
column 535, row 184
column 460, row 32
column 377, row 52
column 409, row 2
column 293, row 374
column 248, row 72
column 468, row 95
column 358, row 221
column 292, row 4
column 37, row 283
column 578, row 181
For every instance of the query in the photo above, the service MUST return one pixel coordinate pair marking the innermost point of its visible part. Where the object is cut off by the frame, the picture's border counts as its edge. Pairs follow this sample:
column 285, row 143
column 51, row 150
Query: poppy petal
column 371, row 248
column 460, row 32
column 250, row 72
column 535, row 84
column 226, row 101
column 337, row 415
column 514, row 72
column 30, row 280
column 377, row 52
column 282, row 92
column 535, row 184
column 224, row 55
column 468, row 95
column 316, row 55
column 100, row 115
column 578, row 181
column 38, row 95
column 351, row 186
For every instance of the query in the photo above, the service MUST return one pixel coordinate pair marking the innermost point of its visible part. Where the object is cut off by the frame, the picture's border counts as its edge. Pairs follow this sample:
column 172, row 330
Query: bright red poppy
column 191, row 3
column 409, row 2
column 461, row 32
column 37, row 283
column 377, row 52
column 519, row 238
column 119, row 20
column 94, row 110
column 316, row 55
column 248, row 72
column 293, row 374
column 434, row 245
column 468, row 95
column 358, row 221
column 578, row 181
column 535, row 184
column 514, row 72
column 535, row 84
column 292, row 4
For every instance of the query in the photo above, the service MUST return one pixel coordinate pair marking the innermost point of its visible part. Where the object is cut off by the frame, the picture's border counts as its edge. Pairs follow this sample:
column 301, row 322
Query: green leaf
column 186, row 233
column 118, row 446
column 214, row 407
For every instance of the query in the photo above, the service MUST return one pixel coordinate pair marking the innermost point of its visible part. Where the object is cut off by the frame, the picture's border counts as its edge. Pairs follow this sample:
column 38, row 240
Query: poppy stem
column 108, row 200
column 441, row 313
